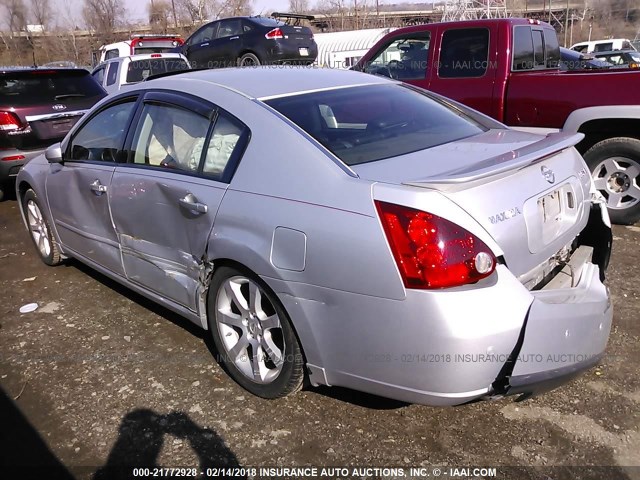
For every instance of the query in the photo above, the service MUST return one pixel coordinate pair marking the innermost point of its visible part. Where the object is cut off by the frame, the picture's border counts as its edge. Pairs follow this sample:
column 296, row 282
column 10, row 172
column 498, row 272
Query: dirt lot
column 105, row 377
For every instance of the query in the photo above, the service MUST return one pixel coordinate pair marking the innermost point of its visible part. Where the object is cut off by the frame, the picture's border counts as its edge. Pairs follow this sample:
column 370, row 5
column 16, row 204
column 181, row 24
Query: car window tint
column 228, row 28
column 368, row 123
column 203, row 35
column 551, row 48
column 405, row 58
column 538, row 48
column 139, row 70
column 98, row 75
column 102, row 136
column 522, row 48
column 170, row 137
column 223, row 143
column 112, row 73
column 111, row 54
column 464, row 53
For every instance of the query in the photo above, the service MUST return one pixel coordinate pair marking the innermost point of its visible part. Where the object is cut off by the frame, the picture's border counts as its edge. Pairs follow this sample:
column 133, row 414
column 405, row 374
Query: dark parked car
column 621, row 58
column 37, row 108
column 572, row 60
column 247, row 41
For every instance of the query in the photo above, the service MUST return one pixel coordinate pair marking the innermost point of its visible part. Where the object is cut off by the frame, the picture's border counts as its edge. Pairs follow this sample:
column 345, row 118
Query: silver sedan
column 339, row 227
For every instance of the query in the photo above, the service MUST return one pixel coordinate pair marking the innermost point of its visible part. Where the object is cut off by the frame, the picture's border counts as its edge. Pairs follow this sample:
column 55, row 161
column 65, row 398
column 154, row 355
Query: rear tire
column 40, row 229
column 615, row 168
column 253, row 335
column 249, row 60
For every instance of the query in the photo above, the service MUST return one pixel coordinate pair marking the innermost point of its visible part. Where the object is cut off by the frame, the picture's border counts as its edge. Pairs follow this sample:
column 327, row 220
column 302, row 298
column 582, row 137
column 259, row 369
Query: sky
column 137, row 9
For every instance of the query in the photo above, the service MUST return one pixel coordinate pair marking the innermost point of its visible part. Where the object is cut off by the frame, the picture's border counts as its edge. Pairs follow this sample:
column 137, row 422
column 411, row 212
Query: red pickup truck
column 510, row 70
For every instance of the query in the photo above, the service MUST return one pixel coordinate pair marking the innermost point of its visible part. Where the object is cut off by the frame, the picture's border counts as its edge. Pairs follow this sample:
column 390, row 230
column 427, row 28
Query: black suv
column 246, row 41
column 37, row 108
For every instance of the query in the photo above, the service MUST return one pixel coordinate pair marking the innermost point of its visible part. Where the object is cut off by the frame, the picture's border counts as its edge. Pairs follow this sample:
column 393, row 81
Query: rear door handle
column 97, row 187
column 190, row 202
column 204, row 44
column 234, row 38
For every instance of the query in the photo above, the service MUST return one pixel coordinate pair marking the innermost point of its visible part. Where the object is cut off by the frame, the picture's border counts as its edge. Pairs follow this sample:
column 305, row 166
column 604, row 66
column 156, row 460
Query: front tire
column 40, row 229
column 253, row 335
column 249, row 60
column 615, row 168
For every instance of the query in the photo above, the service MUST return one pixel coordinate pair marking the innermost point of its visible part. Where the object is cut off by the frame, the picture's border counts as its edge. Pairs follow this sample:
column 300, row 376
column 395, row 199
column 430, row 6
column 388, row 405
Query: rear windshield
column 374, row 122
column 152, row 49
column 36, row 87
column 141, row 69
column 268, row 22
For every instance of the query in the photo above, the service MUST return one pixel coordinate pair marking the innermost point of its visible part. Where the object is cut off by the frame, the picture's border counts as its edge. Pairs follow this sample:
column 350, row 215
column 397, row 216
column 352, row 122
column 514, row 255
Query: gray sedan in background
column 339, row 227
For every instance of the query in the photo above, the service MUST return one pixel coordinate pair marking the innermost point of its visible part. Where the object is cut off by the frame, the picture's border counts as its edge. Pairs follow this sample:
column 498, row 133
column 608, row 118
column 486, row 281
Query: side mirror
column 53, row 154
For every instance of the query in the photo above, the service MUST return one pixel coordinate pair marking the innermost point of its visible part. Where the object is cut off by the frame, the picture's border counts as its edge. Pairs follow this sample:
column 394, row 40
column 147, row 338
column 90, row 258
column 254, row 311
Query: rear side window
column 228, row 28
column 551, row 48
column 464, row 53
column 111, row 54
column 35, row 87
column 267, row 22
column 603, row 47
column 112, row 73
column 139, row 70
column 522, row 48
column 374, row 122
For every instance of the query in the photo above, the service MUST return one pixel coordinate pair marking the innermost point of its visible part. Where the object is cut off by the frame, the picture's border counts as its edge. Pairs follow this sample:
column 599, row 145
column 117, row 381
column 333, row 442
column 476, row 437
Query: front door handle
column 97, row 187
column 190, row 202
column 234, row 38
column 204, row 44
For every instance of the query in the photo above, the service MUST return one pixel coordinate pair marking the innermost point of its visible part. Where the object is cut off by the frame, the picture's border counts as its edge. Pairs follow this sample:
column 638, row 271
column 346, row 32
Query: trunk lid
column 516, row 185
column 46, row 102
column 298, row 36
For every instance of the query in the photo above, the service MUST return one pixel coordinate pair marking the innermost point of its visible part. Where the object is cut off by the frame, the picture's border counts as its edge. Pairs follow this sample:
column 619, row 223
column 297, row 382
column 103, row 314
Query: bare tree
column 298, row 6
column 193, row 11
column 16, row 15
column 159, row 14
column 234, row 8
column 42, row 13
column 102, row 16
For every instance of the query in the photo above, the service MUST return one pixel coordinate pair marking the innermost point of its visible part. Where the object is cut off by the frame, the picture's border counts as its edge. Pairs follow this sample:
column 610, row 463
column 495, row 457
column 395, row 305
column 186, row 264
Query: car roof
column 12, row 70
column 273, row 81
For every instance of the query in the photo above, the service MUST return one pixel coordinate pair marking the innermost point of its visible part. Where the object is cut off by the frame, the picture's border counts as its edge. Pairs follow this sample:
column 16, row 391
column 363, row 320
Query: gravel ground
column 98, row 376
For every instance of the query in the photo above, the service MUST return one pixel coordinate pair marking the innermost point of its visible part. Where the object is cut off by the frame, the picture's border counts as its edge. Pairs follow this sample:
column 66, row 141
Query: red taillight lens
column 156, row 55
column 12, row 158
column 274, row 34
column 432, row 252
column 9, row 121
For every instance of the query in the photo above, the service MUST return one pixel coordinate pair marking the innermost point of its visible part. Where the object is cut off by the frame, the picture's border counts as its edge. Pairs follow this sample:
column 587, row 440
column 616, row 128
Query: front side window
column 551, row 48
column 111, row 54
column 369, row 123
column 170, row 137
column 205, row 34
column 464, row 53
column 404, row 58
column 100, row 138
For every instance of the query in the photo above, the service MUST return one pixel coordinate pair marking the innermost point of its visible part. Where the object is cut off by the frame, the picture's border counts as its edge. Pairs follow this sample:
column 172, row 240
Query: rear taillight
column 432, row 252
column 274, row 34
column 12, row 158
column 9, row 121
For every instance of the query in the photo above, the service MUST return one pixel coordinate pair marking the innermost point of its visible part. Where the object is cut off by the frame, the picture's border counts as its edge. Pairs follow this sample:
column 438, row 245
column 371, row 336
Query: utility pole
column 175, row 18
column 566, row 24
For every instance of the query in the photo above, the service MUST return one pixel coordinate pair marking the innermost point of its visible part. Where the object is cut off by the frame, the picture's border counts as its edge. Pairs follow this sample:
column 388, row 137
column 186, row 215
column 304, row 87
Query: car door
column 198, row 47
column 78, row 188
column 227, row 45
column 165, row 199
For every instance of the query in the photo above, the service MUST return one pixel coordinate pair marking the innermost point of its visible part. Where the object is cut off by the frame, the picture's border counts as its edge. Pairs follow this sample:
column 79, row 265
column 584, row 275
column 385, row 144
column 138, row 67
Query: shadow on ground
column 141, row 437
column 23, row 452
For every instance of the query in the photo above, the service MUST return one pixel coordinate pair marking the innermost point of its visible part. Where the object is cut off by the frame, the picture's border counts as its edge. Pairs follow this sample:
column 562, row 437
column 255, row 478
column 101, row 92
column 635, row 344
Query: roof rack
column 292, row 18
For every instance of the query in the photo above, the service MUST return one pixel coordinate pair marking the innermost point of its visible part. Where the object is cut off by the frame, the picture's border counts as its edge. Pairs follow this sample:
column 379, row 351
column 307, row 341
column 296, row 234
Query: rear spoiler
column 294, row 18
column 513, row 160
column 155, row 35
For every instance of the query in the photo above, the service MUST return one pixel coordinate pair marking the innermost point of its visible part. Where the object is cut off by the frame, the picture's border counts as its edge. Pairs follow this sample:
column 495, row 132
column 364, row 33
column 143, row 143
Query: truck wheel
column 248, row 60
column 615, row 168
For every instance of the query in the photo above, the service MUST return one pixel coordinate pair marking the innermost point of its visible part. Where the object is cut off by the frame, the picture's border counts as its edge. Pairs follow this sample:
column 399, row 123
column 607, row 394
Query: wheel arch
column 601, row 123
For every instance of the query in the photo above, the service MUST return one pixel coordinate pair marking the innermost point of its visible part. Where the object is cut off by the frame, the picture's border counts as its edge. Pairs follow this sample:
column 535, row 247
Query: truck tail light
column 9, row 121
column 12, row 158
column 274, row 34
column 432, row 252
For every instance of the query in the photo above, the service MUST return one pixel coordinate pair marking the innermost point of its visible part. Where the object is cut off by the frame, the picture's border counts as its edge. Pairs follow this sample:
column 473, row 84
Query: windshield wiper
column 69, row 95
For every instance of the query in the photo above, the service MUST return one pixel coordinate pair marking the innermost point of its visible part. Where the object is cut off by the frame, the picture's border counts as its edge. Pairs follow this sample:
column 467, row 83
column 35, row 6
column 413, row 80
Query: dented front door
column 163, row 220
